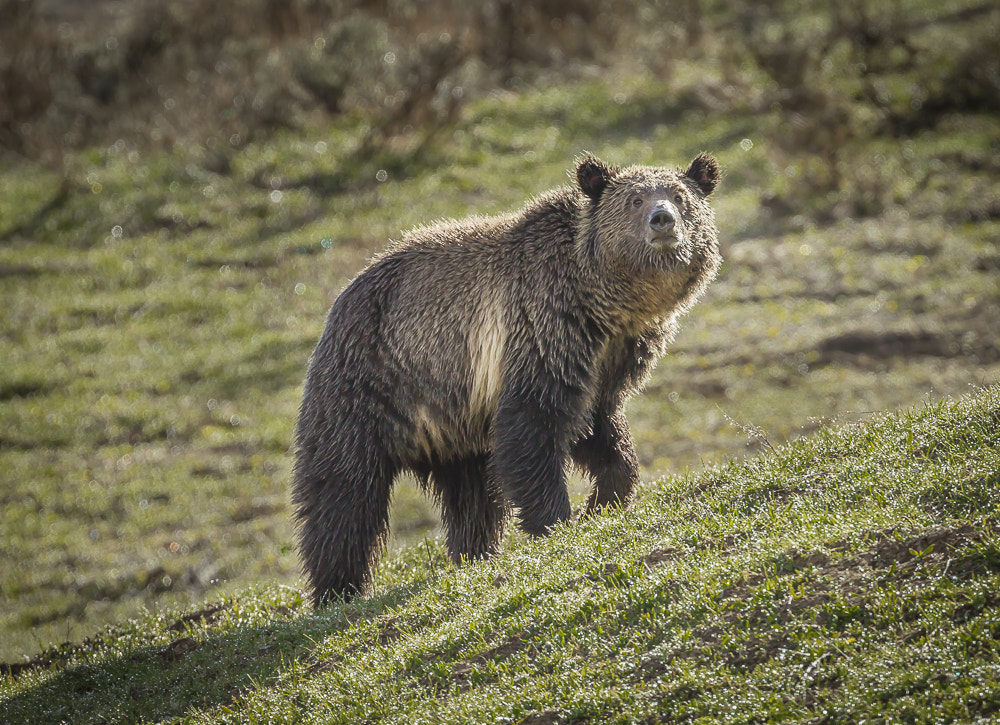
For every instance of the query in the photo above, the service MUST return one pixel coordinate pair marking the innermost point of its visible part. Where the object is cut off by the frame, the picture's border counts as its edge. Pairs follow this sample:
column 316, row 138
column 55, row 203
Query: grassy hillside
column 167, row 254
column 851, row 575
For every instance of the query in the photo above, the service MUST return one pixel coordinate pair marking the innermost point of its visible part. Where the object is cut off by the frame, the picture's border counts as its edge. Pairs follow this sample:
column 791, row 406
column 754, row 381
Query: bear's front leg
column 608, row 455
column 528, row 461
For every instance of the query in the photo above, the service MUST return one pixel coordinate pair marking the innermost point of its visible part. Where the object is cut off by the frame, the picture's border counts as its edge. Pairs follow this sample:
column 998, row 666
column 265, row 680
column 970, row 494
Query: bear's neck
column 623, row 300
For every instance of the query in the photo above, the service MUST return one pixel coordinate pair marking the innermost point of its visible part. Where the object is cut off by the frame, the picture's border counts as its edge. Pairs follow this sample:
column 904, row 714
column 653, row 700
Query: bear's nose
column 662, row 220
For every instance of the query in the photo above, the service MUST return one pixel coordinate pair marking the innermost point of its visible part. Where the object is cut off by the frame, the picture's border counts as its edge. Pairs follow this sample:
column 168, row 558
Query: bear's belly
column 434, row 437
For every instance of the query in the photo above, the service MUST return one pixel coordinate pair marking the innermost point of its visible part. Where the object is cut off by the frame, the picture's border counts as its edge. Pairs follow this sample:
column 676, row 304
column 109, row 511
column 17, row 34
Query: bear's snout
column 662, row 220
column 663, row 226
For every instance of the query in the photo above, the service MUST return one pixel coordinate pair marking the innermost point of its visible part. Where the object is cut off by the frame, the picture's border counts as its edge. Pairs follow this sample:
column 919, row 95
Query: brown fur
column 485, row 355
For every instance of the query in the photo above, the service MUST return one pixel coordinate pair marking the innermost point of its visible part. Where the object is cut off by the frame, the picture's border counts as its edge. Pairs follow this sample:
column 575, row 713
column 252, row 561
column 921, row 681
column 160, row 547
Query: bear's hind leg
column 343, row 525
column 473, row 509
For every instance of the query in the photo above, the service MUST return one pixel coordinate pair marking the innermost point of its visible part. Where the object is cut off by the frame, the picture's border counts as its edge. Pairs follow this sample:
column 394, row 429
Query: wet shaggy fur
column 486, row 355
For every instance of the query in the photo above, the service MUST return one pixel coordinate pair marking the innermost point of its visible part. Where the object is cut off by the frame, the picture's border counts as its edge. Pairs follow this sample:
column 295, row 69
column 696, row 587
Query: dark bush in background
column 29, row 56
column 220, row 74
column 844, row 72
column 166, row 70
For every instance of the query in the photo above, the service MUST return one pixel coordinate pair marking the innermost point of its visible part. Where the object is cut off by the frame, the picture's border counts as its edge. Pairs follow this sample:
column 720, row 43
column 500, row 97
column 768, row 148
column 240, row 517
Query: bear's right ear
column 704, row 171
column 593, row 176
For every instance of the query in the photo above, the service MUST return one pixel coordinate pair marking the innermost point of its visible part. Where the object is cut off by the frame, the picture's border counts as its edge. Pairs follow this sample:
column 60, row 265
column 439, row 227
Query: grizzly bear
column 487, row 355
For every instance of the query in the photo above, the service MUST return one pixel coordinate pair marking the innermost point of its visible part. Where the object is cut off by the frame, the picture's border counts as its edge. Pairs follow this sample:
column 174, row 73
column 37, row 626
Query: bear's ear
column 704, row 171
column 593, row 176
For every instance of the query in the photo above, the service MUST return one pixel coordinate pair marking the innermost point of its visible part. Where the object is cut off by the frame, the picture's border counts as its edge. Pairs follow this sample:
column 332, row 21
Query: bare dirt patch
column 869, row 349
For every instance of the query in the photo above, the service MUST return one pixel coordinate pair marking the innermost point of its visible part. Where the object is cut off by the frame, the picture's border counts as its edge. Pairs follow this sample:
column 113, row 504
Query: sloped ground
column 849, row 575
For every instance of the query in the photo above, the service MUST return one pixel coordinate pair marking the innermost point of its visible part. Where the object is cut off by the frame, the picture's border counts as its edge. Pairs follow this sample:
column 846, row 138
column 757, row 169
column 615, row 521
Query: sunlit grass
column 850, row 573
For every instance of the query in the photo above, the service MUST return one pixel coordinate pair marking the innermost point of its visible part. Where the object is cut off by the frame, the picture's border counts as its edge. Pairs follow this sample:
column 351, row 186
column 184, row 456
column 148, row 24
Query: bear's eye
column 637, row 202
column 679, row 200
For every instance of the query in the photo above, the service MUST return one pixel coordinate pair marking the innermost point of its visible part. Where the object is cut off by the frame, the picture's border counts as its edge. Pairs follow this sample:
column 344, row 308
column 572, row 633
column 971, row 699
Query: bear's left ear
column 593, row 176
column 704, row 171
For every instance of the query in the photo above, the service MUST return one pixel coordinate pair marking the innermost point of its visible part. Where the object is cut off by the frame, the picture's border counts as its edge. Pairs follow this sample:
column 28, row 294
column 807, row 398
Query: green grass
column 849, row 576
column 158, row 317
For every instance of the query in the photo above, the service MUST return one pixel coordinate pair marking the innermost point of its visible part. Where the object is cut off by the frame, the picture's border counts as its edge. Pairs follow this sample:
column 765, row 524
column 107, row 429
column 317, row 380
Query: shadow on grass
column 200, row 669
column 31, row 225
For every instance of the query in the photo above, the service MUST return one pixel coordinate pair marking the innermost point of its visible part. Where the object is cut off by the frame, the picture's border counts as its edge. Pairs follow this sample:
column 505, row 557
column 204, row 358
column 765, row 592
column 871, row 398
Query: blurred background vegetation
column 185, row 186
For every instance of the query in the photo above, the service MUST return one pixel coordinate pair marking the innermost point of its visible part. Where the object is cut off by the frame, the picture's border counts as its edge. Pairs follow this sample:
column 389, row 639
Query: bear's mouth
column 671, row 251
column 668, row 243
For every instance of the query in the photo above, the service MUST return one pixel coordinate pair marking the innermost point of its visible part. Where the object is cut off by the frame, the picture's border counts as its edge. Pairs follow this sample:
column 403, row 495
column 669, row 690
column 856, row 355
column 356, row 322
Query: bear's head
column 651, row 228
